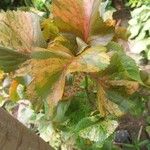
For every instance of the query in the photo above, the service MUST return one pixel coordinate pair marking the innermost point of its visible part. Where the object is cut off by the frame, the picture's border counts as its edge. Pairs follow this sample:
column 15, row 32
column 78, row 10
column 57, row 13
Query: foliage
column 10, row 4
column 139, row 27
column 74, row 68
column 137, row 145
column 40, row 7
column 137, row 3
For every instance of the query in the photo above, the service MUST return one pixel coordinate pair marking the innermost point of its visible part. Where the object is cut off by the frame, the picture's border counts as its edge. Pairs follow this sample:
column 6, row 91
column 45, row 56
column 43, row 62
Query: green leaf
column 79, row 109
column 121, row 63
column 86, row 122
column 10, row 59
column 144, row 142
column 133, row 104
column 113, row 46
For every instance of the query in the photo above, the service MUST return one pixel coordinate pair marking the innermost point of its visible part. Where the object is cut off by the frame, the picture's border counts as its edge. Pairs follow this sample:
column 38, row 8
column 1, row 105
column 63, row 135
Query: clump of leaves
column 41, row 5
column 78, row 47
column 139, row 27
column 137, row 3
column 11, row 4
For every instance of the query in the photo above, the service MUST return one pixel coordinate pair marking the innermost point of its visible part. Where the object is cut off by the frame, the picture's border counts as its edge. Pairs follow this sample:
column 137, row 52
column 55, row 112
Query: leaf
column 122, row 33
column 81, row 45
column 48, row 69
column 54, row 65
column 91, row 60
column 10, row 59
column 99, row 132
column 61, row 43
column 131, row 86
column 148, row 130
column 123, row 64
column 132, row 104
column 105, row 106
column 85, row 122
column 113, row 46
column 80, row 17
column 79, row 108
column 61, row 110
column 49, row 82
column 20, row 31
column 49, row 29
column 100, row 39
column 1, row 75
column 41, row 53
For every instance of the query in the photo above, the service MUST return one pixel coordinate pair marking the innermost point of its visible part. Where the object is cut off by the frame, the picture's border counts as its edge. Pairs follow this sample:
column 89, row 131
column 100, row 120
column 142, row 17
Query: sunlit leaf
column 93, row 59
column 99, row 132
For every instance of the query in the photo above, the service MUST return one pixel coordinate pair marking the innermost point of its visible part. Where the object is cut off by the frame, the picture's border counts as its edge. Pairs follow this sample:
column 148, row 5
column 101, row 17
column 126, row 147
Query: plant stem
column 87, row 87
column 87, row 90
column 140, row 132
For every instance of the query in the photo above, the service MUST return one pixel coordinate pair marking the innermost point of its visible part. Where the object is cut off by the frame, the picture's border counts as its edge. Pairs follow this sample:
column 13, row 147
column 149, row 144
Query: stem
column 87, row 87
column 140, row 132
column 87, row 90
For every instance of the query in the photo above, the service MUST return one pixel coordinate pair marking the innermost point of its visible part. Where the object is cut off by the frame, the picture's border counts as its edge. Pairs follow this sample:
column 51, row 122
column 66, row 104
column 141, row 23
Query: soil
column 132, row 125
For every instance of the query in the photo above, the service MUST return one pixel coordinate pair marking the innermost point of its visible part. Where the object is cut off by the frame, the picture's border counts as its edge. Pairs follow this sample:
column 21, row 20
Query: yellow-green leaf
column 49, row 29
column 106, row 106
column 1, row 75
column 130, row 86
column 48, row 78
column 13, row 90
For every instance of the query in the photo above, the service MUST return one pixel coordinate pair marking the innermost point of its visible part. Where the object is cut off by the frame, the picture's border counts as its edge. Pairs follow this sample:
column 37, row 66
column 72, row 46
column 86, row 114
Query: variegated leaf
column 48, row 68
column 80, row 17
column 130, row 86
column 99, row 132
column 20, row 31
column 106, row 106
